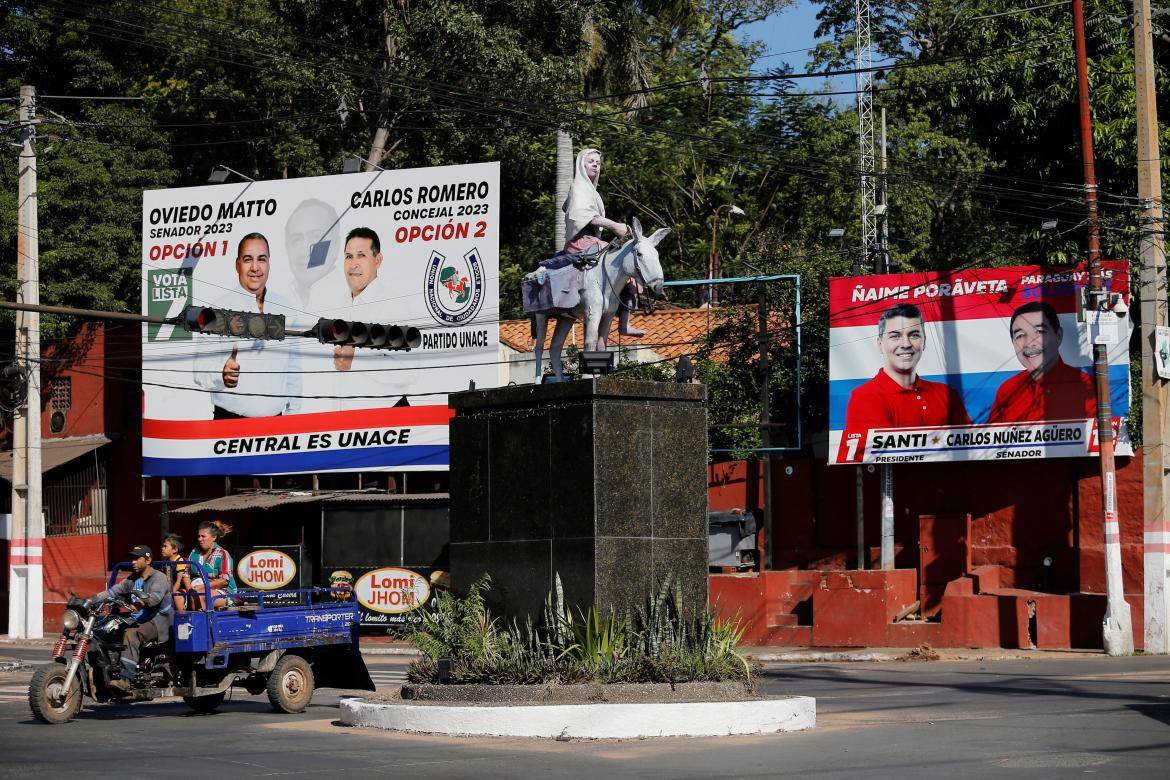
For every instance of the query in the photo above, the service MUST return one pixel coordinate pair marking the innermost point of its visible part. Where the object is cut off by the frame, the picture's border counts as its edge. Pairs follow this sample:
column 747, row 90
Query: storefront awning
column 55, row 452
column 270, row 499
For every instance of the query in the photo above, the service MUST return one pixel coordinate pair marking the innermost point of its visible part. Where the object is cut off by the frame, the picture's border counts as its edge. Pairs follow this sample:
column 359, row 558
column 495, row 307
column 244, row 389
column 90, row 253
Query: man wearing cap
column 148, row 593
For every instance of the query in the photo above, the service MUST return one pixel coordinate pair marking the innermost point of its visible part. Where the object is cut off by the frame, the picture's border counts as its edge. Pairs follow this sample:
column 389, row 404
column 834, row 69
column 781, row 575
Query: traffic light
column 348, row 333
column 237, row 324
column 13, row 386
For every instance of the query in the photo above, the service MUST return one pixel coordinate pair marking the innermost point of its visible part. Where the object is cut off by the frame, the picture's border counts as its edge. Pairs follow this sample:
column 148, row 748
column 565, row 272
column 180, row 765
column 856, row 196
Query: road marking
column 388, row 678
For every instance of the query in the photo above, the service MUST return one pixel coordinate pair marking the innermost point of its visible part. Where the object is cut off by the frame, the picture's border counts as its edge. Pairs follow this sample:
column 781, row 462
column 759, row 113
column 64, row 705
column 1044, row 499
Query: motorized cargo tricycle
column 258, row 640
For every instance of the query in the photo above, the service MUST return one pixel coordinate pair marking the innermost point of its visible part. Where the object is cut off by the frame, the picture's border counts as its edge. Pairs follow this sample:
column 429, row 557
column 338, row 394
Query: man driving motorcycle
column 147, row 591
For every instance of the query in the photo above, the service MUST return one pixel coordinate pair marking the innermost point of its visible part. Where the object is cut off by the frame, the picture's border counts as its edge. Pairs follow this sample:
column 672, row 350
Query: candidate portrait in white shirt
column 250, row 377
column 380, row 377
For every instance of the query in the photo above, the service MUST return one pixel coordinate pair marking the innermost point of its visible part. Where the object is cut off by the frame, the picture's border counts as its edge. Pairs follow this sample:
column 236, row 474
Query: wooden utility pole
column 25, row 570
column 1117, row 628
column 564, row 180
column 1152, row 254
column 378, row 150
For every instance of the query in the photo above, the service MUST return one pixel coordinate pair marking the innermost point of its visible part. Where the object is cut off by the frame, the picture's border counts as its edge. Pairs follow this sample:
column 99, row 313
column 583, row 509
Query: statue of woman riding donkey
column 589, row 278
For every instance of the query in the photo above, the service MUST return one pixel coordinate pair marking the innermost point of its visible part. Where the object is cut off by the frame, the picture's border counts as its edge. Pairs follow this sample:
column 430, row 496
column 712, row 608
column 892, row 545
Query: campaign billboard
column 389, row 596
column 417, row 247
column 978, row 364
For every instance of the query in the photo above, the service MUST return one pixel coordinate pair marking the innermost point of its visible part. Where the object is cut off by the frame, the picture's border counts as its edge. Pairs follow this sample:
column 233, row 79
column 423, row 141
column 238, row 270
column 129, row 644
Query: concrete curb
column 798, row 655
column 588, row 721
column 391, row 650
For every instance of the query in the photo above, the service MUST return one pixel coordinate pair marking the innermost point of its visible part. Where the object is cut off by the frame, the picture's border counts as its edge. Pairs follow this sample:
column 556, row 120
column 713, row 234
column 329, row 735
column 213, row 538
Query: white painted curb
column 589, row 721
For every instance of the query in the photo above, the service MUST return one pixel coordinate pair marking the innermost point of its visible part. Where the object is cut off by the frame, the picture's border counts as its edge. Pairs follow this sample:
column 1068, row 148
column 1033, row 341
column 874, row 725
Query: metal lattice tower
column 869, row 218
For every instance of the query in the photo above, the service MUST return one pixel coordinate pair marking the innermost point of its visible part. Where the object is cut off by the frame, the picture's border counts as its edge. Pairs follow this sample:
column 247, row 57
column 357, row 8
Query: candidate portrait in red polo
column 897, row 397
column 1047, row 388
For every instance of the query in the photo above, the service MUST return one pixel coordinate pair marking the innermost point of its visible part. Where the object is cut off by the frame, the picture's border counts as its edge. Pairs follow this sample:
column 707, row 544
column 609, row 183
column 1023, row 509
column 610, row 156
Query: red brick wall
column 72, row 564
column 1020, row 512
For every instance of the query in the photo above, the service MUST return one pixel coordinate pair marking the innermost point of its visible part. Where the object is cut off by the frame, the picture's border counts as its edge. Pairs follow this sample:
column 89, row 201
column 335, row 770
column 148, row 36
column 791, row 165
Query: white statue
column 603, row 284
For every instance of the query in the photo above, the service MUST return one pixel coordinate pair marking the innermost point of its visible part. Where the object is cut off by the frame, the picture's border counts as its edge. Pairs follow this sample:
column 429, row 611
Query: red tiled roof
column 669, row 332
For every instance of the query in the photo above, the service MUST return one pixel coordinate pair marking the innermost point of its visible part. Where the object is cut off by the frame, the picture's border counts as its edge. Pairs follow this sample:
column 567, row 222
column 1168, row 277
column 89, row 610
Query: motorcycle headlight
column 71, row 619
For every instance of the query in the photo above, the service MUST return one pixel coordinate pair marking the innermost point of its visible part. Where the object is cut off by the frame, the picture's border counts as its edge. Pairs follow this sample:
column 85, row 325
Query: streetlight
column 712, row 297
column 354, row 164
column 219, row 174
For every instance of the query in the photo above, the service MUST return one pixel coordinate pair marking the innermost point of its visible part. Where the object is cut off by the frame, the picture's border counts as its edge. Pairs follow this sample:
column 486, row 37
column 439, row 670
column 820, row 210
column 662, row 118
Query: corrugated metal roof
column 270, row 499
column 55, row 452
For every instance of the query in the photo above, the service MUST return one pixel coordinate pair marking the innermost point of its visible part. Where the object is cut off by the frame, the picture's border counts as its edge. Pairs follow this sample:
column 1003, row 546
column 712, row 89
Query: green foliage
column 461, row 629
column 659, row 642
column 982, row 120
column 645, row 372
column 597, row 640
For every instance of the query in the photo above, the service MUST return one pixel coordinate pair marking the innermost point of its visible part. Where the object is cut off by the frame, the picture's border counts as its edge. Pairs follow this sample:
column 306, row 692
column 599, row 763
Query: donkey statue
column 601, row 296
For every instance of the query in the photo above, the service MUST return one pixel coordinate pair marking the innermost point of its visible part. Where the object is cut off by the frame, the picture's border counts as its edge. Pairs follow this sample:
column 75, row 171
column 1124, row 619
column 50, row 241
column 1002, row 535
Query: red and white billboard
column 407, row 247
column 980, row 364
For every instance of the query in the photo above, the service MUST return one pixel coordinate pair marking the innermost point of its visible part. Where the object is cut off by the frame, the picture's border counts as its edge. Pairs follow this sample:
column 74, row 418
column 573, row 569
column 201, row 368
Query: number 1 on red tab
column 852, row 448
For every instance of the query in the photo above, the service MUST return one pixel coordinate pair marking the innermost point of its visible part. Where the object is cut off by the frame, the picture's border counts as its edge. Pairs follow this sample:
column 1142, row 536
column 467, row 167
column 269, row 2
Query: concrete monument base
column 602, row 481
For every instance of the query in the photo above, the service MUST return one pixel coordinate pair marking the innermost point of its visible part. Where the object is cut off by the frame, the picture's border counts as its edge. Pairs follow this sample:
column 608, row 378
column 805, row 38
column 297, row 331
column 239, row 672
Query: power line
column 368, row 72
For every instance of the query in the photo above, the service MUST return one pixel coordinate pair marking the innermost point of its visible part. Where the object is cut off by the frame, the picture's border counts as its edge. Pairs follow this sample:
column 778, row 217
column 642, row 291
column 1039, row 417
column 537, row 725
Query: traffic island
column 579, row 560
column 621, row 711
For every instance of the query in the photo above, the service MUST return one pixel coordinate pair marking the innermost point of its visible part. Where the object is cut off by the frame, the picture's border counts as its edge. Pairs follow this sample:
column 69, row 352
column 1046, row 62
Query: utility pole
column 1152, row 252
column 378, row 149
column 564, row 180
column 1117, row 628
column 25, row 581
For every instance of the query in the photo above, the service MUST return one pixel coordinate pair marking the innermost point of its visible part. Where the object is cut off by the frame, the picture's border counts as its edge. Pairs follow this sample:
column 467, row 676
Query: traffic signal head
column 398, row 337
column 332, row 331
column 252, row 325
column 198, row 319
column 13, row 386
column 364, row 334
column 238, row 324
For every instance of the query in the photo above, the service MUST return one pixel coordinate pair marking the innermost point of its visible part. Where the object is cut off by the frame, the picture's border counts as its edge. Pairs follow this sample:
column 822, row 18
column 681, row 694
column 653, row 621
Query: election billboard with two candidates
column 979, row 364
column 416, row 248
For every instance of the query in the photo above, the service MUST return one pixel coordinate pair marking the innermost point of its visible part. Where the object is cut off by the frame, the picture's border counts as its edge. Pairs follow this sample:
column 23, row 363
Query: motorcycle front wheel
column 47, row 697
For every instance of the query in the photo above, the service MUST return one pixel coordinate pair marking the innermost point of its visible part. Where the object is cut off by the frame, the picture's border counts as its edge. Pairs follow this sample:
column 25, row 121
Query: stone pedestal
column 603, row 481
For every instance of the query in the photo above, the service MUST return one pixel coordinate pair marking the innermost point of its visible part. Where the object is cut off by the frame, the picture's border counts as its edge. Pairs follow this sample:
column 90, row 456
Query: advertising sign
column 393, row 597
column 980, row 364
column 413, row 248
column 272, row 568
column 266, row 569
column 1162, row 351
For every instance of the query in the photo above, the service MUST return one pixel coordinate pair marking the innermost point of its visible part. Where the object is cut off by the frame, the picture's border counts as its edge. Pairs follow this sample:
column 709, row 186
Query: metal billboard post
column 765, row 402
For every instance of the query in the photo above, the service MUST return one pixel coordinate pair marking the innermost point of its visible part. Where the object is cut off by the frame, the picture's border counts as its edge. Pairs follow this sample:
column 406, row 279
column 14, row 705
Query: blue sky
column 789, row 37
column 791, row 30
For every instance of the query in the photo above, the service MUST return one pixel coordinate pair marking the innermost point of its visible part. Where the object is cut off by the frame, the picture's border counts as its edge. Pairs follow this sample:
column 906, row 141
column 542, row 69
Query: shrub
column 658, row 642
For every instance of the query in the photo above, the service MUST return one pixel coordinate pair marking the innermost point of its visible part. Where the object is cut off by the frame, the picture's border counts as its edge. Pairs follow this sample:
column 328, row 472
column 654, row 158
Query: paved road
column 1033, row 718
